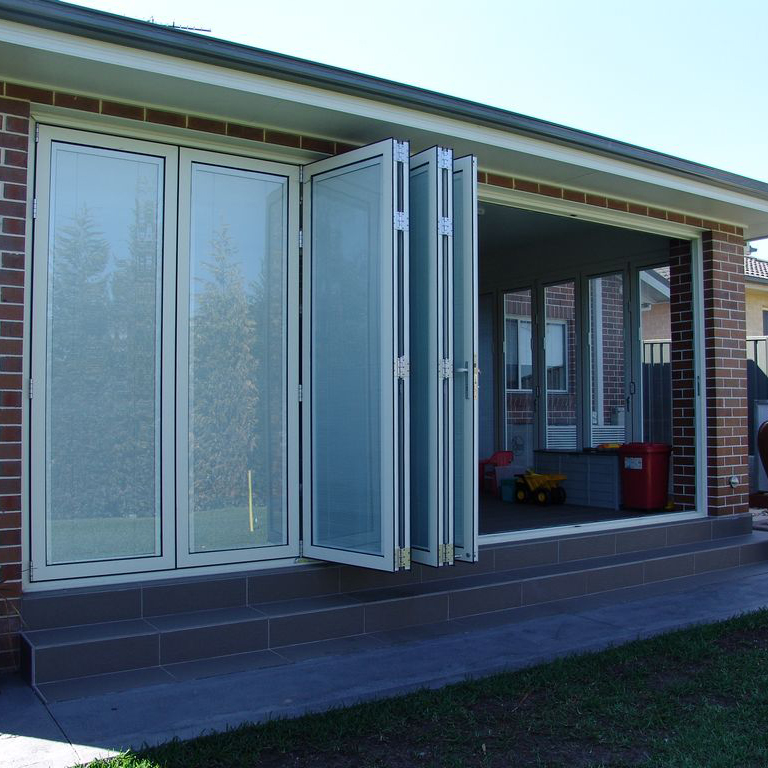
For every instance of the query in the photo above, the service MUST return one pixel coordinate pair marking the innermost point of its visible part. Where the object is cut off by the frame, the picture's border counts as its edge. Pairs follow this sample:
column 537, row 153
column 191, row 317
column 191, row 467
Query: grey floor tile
column 176, row 621
column 78, row 688
column 86, row 633
column 336, row 647
column 304, row 605
column 224, row 665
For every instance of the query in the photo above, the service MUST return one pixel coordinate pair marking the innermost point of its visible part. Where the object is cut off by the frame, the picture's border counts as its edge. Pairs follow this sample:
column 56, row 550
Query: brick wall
column 726, row 379
column 683, row 377
column 14, row 131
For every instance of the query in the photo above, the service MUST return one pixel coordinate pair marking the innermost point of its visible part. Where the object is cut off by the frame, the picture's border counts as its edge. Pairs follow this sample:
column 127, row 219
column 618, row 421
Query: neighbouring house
column 261, row 319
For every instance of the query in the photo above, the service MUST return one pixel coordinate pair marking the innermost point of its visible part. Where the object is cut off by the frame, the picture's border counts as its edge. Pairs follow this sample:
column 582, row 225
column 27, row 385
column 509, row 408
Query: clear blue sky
column 687, row 77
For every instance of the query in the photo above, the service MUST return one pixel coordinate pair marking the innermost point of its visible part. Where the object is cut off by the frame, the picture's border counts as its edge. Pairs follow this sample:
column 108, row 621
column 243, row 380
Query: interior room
column 575, row 353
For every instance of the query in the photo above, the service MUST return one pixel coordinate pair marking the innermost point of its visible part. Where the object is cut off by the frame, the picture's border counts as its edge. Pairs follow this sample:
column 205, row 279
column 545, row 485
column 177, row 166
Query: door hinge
column 475, row 378
column 402, row 368
column 403, row 559
column 444, row 226
column 31, row 388
column 401, row 152
column 37, row 133
column 445, row 368
column 301, row 393
column 445, row 554
column 301, row 238
column 301, row 174
column 445, row 158
column 31, row 570
column 34, row 208
column 401, row 221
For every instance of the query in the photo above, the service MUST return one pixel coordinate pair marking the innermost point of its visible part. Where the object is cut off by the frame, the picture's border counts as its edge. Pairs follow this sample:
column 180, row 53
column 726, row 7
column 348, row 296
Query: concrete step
column 190, row 637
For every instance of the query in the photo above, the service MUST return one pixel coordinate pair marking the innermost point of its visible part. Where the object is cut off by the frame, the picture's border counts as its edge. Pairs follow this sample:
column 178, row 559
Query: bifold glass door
column 101, row 321
column 168, row 368
column 237, row 358
column 431, row 369
column 355, row 352
column 465, row 362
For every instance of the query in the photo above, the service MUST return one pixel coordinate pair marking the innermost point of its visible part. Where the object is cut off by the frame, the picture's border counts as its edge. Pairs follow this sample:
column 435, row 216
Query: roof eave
column 105, row 27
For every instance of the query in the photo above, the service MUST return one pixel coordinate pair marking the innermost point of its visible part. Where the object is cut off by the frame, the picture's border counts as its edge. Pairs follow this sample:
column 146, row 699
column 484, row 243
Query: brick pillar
column 726, row 373
column 683, row 376
column 14, row 132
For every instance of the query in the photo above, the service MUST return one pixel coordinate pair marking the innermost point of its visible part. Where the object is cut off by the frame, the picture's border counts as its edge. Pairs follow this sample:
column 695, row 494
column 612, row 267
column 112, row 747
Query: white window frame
column 519, row 319
column 566, row 369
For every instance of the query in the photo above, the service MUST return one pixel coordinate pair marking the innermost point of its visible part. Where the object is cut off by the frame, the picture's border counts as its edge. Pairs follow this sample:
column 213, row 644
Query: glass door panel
column 355, row 399
column 431, row 331
column 235, row 309
column 609, row 414
column 519, row 378
column 465, row 361
column 560, row 366
column 98, row 328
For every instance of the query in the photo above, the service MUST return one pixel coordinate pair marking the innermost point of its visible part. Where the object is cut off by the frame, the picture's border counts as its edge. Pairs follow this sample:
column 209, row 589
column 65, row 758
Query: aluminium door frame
column 395, row 531
column 40, row 570
column 290, row 289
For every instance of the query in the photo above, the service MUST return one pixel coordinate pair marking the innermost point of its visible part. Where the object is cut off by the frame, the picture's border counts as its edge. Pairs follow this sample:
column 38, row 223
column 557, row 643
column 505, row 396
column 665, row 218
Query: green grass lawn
column 697, row 697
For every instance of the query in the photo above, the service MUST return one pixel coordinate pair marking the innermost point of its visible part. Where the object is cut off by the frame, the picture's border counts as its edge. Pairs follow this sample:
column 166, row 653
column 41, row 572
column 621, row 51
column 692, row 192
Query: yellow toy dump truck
column 534, row 488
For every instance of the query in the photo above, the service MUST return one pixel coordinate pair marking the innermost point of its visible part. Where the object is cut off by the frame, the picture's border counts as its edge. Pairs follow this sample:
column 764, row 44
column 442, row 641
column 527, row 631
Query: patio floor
column 64, row 733
column 497, row 516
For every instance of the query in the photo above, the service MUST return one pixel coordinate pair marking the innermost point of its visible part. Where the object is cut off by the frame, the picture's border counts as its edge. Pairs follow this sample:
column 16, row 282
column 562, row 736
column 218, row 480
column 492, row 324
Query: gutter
column 120, row 30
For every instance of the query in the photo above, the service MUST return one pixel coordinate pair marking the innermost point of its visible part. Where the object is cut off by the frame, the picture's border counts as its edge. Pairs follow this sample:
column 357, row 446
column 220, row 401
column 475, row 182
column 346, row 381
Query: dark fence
column 657, row 392
column 757, row 381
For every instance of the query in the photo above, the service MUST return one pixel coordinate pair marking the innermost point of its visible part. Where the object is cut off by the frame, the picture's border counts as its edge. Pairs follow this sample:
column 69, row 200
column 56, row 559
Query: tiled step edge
column 120, row 646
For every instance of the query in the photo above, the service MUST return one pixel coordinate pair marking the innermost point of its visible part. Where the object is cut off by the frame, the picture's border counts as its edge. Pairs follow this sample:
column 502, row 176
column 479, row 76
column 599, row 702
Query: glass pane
column 465, row 468
column 511, row 358
column 518, row 398
column 237, row 321
column 103, row 355
column 423, row 353
column 608, row 404
column 348, row 375
column 560, row 360
column 656, row 334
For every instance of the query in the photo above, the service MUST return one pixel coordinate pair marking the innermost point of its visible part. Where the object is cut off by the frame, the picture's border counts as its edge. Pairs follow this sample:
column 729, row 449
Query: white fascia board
column 99, row 52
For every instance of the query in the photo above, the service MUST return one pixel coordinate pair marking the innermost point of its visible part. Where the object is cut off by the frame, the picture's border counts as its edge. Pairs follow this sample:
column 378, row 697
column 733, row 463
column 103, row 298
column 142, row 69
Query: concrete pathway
column 62, row 734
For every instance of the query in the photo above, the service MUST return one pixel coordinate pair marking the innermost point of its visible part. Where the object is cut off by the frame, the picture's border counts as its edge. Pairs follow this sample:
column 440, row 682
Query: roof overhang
column 65, row 47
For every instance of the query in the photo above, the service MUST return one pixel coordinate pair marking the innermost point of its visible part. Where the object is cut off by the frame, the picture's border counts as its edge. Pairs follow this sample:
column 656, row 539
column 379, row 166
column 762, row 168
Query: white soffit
column 67, row 62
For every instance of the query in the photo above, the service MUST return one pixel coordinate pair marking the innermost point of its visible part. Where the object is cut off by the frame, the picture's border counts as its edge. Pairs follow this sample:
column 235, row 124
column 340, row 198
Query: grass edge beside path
column 689, row 698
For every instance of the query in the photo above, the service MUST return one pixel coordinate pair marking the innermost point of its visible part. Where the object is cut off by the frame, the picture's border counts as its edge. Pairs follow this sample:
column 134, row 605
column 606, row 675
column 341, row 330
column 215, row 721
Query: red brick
column 117, row 109
column 503, row 181
column 13, row 226
column 597, row 200
column 74, row 101
column 249, row 132
column 204, row 124
column 15, row 158
column 17, row 124
column 342, row 146
column 317, row 145
column 285, row 139
column 522, row 185
column 38, row 95
column 11, row 107
column 14, row 141
column 166, row 118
